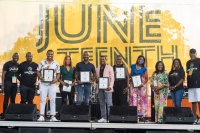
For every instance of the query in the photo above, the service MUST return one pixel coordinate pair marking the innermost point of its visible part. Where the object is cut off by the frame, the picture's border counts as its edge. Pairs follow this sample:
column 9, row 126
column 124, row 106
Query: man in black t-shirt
column 27, row 75
column 193, row 80
column 9, row 81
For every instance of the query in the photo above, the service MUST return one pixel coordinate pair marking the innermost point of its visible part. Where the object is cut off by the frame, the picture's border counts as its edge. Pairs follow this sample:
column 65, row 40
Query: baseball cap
column 192, row 50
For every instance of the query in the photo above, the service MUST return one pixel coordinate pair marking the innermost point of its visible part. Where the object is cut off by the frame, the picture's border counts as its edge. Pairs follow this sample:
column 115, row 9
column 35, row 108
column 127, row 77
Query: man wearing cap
column 193, row 81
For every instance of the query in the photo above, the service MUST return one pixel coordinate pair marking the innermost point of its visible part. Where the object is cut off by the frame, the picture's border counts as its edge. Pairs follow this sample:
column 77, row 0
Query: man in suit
column 105, row 95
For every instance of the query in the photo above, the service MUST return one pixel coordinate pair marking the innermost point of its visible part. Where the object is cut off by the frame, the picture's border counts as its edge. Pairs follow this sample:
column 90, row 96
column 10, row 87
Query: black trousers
column 119, row 98
column 70, row 95
column 27, row 94
column 10, row 91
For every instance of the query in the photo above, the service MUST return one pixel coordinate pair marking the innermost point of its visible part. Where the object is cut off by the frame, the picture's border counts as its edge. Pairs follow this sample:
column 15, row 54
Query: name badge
column 155, row 83
column 14, row 79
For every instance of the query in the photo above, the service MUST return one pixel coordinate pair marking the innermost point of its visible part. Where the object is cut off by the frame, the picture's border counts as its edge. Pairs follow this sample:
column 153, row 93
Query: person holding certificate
column 138, row 89
column 84, row 69
column 105, row 76
column 67, row 80
column 121, row 84
column 48, row 72
column 159, row 84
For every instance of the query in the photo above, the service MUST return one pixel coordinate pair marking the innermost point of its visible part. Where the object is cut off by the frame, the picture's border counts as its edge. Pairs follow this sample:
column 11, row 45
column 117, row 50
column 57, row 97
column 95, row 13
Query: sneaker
column 102, row 120
column 53, row 118
column 197, row 121
column 41, row 118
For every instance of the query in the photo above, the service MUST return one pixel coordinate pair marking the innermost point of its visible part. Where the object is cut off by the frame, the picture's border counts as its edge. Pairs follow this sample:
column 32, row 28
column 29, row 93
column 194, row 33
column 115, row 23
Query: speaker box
column 58, row 105
column 78, row 113
column 21, row 112
column 182, row 115
column 123, row 114
column 34, row 130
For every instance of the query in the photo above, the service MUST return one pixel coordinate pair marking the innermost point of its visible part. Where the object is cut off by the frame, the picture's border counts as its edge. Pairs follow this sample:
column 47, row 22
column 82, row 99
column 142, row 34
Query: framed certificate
column 67, row 88
column 136, row 80
column 120, row 73
column 48, row 75
column 85, row 76
column 103, row 82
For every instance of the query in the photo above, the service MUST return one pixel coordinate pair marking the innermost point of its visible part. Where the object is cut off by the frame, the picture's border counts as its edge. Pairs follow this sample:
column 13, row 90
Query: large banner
column 102, row 27
column 159, row 31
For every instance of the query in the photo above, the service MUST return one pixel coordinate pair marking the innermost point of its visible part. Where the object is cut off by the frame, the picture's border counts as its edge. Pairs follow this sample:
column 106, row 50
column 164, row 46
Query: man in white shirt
column 48, row 87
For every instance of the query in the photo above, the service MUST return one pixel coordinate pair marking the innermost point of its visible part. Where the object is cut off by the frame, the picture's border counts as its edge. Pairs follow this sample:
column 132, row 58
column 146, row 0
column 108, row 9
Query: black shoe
column 2, row 116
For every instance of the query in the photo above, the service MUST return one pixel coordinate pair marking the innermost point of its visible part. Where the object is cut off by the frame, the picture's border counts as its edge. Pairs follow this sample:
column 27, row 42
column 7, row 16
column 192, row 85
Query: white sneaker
column 53, row 118
column 197, row 121
column 102, row 120
column 41, row 118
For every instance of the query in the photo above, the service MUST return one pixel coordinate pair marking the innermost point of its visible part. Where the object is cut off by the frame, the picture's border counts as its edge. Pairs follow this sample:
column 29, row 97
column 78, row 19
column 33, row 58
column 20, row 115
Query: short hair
column 50, row 50
column 86, row 52
column 103, row 56
column 28, row 53
column 15, row 54
column 119, row 56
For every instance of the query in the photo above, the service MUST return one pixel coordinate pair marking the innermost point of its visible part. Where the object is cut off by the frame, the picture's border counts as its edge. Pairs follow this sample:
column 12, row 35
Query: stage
column 56, row 127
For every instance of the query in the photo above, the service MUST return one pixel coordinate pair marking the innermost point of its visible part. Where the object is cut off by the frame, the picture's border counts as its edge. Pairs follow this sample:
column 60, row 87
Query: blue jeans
column 83, row 89
column 177, row 97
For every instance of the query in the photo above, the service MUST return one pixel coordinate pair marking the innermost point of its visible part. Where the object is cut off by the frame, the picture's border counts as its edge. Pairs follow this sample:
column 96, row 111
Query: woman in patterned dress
column 160, row 85
column 138, row 95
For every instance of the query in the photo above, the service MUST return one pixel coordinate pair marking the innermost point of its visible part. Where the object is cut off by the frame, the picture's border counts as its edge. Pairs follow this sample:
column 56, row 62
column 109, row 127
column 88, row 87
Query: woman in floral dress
column 138, row 95
column 160, row 85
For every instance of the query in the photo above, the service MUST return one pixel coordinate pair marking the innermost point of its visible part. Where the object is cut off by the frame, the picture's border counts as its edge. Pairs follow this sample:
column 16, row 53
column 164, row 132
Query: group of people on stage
column 117, row 91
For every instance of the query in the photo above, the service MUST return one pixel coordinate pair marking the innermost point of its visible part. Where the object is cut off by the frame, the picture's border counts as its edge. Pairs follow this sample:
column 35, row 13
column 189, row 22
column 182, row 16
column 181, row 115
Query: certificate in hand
column 85, row 76
column 120, row 73
column 155, row 83
column 103, row 82
column 136, row 80
column 48, row 75
column 67, row 88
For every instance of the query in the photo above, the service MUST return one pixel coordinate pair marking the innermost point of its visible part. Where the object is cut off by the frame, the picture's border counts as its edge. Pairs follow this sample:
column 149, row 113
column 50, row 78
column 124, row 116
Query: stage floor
column 94, row 125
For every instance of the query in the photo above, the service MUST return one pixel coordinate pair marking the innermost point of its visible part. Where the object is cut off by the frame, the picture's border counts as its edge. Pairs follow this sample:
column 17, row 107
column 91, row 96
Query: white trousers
column 49, row 90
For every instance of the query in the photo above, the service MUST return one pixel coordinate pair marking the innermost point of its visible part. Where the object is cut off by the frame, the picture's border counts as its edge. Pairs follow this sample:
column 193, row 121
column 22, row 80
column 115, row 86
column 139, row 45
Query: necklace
column 138, row 68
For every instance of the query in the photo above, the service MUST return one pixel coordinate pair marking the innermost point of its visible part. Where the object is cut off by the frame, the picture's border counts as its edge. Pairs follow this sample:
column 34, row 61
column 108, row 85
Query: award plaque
column 120, row 73
column 136, row 80
column 48, row 75
column 85, row 76
column 103, row 82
